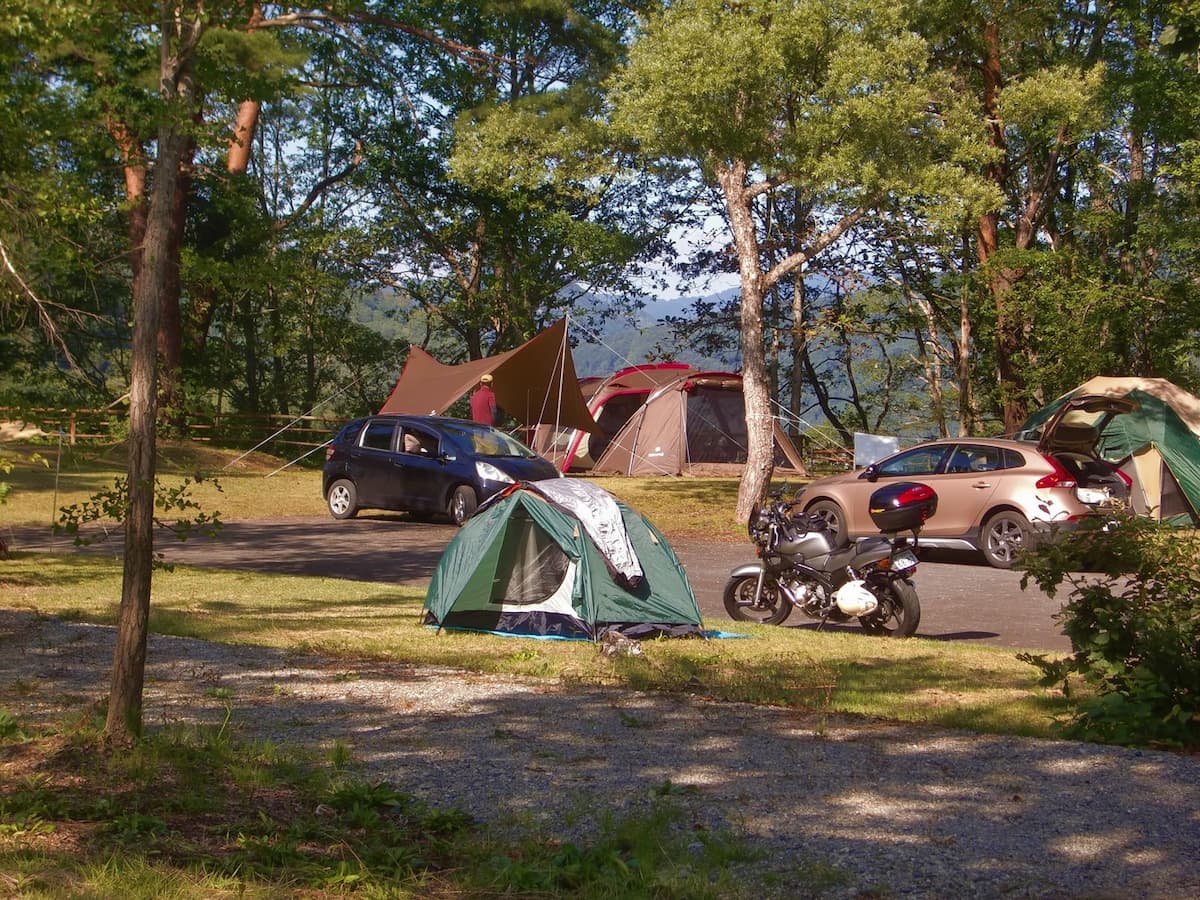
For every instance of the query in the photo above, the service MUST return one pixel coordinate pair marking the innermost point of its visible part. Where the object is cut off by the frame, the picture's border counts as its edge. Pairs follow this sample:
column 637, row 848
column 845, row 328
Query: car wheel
column 342, row 499
column 834, row 518
column 462, row 505
column 1004, row 537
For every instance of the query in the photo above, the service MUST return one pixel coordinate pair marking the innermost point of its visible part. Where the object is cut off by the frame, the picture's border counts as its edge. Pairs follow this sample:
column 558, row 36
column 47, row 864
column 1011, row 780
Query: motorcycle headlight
column 759, row 525
column 488, row 472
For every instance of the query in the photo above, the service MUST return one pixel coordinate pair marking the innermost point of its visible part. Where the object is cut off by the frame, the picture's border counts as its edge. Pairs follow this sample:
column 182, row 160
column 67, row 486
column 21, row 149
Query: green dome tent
column 530, row 563
column 1157, row 444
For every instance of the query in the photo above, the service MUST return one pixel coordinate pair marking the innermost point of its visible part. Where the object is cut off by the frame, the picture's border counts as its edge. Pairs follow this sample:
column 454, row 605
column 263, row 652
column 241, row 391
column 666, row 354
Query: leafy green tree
column 501, row 204
column 1082, row 115
column 829, row 100
column 61, row 301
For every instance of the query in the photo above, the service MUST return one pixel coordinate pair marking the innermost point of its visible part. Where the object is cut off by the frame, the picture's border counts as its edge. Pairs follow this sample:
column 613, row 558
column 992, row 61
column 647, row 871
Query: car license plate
column 904, row 560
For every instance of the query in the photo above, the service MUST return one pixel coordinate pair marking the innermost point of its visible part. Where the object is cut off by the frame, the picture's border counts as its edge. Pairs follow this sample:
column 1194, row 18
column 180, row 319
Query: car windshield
column 485, row 441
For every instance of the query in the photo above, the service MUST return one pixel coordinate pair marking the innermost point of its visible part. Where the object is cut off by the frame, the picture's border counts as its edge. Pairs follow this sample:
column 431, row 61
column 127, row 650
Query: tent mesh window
column 716, row 426
column 532, row 565
column 616, row 412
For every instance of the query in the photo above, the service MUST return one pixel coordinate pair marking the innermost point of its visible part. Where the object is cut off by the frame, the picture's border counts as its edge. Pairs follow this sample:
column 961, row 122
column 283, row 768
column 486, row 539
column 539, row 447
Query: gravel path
column 864, row 808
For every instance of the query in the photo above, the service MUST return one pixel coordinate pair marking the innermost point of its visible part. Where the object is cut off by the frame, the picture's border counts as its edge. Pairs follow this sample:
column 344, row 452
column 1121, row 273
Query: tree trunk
column 760, row 457
column 1008, row 328
column 799, row 339
column 968, row 413
column 129, row 659
column 237, row 162
column 928, row 356
column 134, row 164
column 248, row 316
column 279, row 385
column 124, row 721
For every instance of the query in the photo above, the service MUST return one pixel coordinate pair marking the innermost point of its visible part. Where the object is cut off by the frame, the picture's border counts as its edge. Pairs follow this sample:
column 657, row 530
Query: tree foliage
column 826, row 109
column 1134, row 625
column 981, row 205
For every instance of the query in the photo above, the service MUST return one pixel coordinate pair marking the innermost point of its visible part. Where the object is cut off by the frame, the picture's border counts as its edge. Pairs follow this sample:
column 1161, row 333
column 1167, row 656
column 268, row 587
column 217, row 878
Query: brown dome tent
column 664, row 419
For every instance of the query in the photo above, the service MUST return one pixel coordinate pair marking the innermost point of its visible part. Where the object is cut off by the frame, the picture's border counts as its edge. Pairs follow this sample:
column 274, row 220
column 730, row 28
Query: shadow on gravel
column 895, row 810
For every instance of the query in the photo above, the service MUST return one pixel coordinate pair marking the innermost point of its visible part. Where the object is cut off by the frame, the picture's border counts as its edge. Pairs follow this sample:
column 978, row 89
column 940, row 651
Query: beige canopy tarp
column 534, row 383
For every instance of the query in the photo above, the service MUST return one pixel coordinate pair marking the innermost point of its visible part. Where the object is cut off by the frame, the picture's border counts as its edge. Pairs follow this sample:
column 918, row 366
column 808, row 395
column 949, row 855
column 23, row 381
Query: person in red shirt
column 483, row 402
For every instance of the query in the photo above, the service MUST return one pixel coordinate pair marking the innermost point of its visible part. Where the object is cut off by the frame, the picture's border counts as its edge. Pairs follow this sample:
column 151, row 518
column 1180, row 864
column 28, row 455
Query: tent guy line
column 272, row 437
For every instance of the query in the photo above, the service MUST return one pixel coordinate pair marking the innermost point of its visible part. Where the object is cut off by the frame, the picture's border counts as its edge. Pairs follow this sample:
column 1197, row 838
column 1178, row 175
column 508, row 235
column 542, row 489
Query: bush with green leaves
column 1133, row 617
column 113, row 503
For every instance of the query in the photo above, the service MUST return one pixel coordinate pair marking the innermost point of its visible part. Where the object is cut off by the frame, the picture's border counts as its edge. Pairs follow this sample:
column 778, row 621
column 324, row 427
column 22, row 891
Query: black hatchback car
column 425, row 465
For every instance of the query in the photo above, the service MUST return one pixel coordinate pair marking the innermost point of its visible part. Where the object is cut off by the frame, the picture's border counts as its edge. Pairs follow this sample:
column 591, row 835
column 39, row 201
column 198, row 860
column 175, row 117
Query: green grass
column 938, row 683
column 45, row 478
column 920, row 681
column 195, row 813
column 192, row 812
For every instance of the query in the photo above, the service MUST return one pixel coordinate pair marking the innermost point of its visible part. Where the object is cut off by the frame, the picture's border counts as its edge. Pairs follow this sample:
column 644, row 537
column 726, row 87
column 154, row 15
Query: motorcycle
column 800, row 565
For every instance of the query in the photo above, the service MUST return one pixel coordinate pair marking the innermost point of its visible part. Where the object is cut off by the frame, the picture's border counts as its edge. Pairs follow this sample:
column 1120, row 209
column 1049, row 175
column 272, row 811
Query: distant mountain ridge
column 621, row 345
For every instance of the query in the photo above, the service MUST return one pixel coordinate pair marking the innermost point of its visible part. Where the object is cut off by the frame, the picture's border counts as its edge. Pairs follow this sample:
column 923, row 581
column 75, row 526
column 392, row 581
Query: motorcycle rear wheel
column 899, row 611
column 771, row 609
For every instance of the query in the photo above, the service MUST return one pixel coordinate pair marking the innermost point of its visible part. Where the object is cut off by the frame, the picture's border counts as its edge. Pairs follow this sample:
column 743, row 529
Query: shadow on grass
column 832, row 628
column 29, row 570
column 512, row 753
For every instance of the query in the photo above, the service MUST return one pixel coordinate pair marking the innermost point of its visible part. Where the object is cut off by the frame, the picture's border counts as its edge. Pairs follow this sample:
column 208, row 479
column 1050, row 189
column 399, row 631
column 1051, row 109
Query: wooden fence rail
column 280, row 435
column 277, row 433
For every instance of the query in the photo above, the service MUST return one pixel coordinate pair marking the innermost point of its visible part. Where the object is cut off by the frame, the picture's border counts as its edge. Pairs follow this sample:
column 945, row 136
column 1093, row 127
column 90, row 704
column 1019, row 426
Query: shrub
column 1133, row 618
column 113, row 503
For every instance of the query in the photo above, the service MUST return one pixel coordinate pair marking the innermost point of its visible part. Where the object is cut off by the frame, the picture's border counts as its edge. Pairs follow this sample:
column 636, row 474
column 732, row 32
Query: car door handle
column 981, row 485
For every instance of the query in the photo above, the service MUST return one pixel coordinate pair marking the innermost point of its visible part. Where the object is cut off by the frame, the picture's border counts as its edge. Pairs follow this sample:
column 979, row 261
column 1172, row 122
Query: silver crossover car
column 994, row 495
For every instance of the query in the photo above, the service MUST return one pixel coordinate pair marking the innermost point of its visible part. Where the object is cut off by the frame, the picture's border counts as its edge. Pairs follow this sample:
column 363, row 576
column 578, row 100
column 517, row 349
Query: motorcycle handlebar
column 793, row 525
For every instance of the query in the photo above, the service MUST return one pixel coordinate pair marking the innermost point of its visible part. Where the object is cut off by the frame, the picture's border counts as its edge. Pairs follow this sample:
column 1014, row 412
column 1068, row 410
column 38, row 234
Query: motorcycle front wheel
column 899, row 610
column 771, row 609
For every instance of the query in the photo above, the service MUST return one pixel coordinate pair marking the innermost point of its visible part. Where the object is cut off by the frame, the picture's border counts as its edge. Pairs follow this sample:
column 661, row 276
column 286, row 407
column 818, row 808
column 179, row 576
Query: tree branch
column 473, row 56
column 319, row 188
column 793, row 261
column 43, row 309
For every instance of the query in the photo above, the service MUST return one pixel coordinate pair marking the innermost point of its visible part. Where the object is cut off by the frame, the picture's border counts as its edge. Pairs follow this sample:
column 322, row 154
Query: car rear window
column 349, row 433
column 1013, row 459
column 983, row 458
column 378, row 435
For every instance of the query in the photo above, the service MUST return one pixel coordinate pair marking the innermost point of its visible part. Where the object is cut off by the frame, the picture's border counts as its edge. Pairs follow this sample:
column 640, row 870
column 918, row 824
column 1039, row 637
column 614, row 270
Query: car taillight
column 329, row 453
column 1125, row 478
column 1059, row 478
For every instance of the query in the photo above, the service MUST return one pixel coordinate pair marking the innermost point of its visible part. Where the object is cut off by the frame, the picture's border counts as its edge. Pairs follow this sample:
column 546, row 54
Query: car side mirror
column 870, row 473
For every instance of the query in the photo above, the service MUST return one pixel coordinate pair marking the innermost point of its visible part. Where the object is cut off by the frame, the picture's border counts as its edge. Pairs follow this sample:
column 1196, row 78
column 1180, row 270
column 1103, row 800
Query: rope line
column 298, row 418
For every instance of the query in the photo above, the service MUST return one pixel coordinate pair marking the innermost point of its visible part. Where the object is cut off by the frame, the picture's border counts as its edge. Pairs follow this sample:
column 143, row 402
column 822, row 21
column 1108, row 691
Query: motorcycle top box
column 903, row 506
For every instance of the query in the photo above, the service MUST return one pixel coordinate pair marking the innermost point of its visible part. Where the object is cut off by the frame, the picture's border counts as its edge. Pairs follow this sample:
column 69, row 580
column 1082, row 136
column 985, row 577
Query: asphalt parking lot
column 962, row 599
